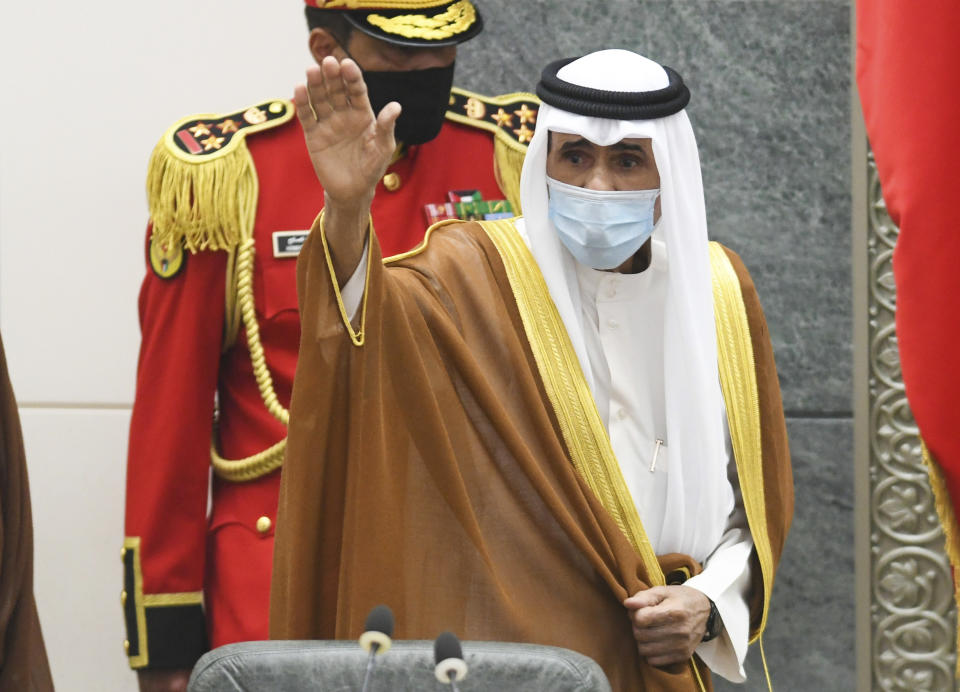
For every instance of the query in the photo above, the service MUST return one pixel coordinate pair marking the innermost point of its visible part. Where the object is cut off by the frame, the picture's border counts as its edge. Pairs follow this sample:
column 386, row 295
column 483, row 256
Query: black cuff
column 176, row 636
column 164, row 631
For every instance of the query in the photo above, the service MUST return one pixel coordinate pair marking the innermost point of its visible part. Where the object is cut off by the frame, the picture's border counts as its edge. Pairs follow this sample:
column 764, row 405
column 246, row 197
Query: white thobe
column 623, row 318
column 625, row 312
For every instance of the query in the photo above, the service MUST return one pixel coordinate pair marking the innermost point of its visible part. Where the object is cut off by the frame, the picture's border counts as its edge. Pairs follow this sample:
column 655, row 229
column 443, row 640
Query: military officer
column 231, row 196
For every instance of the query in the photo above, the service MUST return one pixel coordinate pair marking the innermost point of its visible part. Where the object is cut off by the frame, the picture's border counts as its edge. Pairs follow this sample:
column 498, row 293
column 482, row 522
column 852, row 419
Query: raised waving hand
column 349, row 145
column 350, row 148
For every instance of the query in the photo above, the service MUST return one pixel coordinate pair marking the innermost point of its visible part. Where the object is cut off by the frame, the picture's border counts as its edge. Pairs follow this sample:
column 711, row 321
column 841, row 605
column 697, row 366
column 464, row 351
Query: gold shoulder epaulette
column 201, row 181
column 512, row 117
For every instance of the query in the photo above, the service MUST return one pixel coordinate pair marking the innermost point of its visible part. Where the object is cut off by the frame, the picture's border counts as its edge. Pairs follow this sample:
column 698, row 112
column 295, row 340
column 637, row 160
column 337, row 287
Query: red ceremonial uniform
column 197, row 579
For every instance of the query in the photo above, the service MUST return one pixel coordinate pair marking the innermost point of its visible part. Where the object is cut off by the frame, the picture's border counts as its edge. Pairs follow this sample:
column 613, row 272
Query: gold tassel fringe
column 508, row 162
column 951, row 532
column 187, row 200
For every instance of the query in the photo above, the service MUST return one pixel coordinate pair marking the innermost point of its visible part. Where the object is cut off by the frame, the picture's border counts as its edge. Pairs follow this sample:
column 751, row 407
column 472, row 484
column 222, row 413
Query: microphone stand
column 366, row 678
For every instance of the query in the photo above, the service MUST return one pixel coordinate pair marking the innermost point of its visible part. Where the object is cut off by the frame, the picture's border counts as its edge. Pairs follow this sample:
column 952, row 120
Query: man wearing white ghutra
column 591, row 387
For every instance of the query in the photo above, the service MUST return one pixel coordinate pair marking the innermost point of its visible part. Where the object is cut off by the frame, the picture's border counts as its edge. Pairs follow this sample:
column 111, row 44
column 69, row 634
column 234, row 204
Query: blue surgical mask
column 601, row 228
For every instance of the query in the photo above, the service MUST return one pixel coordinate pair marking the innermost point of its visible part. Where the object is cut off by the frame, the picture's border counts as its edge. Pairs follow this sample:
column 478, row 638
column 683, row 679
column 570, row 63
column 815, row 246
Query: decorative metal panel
column 913, row 620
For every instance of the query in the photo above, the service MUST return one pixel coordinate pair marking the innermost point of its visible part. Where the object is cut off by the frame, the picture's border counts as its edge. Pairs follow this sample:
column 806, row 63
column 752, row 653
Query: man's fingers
column 661, row 622
column 665, row 615
column 302, row 103
column 645, row 618
column 665, row 652
column 317, row 93
column 660, row 647
column 355, row 86
column 336, row 92
column 643, row 599
column 652, row 634
column 386, row 120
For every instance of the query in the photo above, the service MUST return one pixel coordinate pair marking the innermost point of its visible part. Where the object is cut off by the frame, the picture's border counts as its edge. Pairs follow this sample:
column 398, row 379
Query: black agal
column 617, row 105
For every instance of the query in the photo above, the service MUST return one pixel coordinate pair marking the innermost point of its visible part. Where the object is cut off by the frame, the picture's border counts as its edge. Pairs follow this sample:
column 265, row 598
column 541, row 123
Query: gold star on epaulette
column 502, row 118
column 227, row 126
column 200, row 130
column 524, row 134
column 527, row 115
column 212, row 142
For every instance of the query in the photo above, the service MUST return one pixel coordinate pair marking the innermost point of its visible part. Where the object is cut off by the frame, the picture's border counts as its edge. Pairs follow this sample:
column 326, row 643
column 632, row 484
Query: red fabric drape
column 908, row 74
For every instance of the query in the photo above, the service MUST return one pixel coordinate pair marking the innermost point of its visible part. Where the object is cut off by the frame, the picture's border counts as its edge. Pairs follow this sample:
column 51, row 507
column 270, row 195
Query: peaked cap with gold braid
column 418, row 23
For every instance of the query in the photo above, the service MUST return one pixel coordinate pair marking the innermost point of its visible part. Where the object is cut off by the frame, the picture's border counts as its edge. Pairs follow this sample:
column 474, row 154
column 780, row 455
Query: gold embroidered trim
column 356, row 336
column 163, row 600
column 948, row 521
column 567, row 389
column 142, row 658
column 457, row 18
column 422, row 245
column 738, row 379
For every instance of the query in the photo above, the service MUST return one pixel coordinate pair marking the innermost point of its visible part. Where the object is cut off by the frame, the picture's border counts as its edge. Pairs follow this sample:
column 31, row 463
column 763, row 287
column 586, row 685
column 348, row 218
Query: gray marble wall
column 770, row 83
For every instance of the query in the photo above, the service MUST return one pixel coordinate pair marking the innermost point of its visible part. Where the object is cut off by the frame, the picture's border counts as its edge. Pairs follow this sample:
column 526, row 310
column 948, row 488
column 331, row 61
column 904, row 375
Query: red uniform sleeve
column 181, row 322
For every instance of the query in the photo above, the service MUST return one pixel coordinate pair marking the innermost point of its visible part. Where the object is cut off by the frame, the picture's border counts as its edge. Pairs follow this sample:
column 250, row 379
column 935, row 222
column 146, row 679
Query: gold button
column 276, row 107
column 391, row 181
column 123, row 598
column 126, row 646
column 123, row 554
column 264, row 524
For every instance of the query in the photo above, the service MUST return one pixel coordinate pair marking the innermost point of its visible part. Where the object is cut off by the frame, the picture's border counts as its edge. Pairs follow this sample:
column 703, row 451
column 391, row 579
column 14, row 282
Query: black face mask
column 423, row 95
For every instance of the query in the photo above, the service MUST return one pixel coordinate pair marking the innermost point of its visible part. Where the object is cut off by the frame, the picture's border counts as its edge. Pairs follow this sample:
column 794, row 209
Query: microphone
column 448, row 655
column 376, row 638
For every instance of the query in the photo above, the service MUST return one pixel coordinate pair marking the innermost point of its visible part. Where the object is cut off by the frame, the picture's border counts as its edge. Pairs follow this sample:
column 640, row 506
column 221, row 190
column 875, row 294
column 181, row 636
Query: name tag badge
column 288, row 243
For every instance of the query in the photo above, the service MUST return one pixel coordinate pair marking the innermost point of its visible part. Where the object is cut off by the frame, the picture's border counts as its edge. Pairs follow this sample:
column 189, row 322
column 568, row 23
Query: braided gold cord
column 249, row 468
column 248, row 312
column 231, row 314
column 260, row 464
